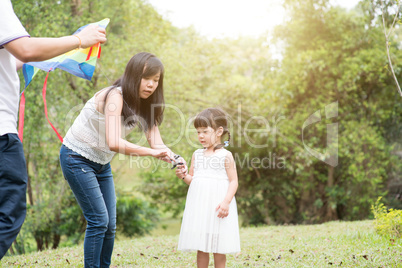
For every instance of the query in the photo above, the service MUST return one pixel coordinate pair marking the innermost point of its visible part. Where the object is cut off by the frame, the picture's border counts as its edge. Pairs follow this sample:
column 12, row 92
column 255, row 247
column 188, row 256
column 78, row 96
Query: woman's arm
column 230, row 166
column 113, row 108
column 154, row 138
column 155, row 142
column 182, row 174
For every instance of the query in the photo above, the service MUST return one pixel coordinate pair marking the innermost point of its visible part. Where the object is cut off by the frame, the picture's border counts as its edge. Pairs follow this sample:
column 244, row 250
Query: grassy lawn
column 343, row 244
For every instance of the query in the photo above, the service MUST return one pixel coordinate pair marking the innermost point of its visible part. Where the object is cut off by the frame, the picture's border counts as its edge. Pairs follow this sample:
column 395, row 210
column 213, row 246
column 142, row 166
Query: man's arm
column 28, row 49
column 19, row 64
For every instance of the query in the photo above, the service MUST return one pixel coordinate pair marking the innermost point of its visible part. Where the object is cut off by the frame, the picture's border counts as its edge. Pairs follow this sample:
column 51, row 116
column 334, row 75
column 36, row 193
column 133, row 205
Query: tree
column 332, row 67
column 52, row 209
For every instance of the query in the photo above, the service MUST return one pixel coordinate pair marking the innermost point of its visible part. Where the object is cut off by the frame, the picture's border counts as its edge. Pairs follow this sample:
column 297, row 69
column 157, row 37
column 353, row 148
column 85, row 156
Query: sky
column 227, row 18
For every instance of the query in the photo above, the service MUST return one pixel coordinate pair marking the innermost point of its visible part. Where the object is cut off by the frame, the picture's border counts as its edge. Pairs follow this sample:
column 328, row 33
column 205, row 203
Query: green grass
column 167, row 226
column 341, row 244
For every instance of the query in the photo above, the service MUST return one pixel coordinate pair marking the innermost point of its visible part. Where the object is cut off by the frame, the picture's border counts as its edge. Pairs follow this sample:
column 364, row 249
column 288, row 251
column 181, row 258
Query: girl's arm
column 113, row 108
column 230, row 166
column 187, row 177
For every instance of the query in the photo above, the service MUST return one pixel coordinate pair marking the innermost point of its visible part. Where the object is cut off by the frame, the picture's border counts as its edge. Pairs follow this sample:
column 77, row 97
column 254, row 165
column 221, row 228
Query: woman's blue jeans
column 93, row 187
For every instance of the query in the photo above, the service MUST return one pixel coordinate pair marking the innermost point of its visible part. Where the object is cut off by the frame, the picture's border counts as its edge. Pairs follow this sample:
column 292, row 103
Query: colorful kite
column 79, row 62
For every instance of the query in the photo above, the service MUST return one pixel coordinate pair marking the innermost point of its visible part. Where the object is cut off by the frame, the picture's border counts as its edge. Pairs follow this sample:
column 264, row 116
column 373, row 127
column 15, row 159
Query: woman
column 136, row 99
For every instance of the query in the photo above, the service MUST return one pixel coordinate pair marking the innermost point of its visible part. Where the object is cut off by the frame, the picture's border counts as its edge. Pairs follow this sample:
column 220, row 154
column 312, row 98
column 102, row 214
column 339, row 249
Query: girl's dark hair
column 214, row 118
column 145, row 113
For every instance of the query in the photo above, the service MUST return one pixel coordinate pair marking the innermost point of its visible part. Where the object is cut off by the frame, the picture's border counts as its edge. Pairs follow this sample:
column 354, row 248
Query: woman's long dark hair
column 145, row 113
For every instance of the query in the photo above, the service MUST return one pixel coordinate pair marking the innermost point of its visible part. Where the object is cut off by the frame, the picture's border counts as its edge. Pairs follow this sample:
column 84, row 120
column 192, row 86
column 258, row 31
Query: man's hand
column 91, row 35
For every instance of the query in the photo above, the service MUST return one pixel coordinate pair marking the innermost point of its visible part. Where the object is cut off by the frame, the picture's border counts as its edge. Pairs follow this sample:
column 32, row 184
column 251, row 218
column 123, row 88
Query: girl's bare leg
column 202, row 259
column 220, row 260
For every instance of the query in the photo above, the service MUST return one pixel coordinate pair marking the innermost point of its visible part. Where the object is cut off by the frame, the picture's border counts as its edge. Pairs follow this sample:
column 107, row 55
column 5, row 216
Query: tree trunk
column 29, row 186
column 75, row 8
column 56, row 241
column 90, row 6
column 11, row 250
column 56, row 237
column 307, row 199
column 39, row 243
column 331, row 212
column 284, row 216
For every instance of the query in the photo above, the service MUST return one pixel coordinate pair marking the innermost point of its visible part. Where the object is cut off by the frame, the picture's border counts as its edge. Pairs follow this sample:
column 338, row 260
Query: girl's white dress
column 201, row 229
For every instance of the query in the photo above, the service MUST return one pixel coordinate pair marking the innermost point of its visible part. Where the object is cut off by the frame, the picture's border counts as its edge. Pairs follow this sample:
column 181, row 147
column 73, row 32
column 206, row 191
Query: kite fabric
column 80, row 62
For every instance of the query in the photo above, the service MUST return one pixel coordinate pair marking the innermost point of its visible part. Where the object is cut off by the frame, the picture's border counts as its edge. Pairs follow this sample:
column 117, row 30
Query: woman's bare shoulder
column 111, row 93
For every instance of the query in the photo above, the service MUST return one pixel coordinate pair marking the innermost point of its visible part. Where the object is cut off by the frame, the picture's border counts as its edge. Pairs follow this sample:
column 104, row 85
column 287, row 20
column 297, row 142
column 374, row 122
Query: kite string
column 22, row 113
column 21, row 117
column 45, row 107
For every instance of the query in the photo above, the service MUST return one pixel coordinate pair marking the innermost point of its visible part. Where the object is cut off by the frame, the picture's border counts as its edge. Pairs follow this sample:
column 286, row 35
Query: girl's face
column 149, row 85
column 208, row 137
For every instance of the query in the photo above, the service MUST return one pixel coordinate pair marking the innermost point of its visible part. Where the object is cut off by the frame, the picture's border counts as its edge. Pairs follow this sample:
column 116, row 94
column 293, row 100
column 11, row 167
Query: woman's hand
column 223, row 209
column 161, row 154
column 168, row 157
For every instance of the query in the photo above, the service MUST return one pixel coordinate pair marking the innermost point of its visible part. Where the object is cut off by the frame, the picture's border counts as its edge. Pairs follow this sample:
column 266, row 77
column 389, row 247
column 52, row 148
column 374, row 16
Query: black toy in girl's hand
column 175, row 161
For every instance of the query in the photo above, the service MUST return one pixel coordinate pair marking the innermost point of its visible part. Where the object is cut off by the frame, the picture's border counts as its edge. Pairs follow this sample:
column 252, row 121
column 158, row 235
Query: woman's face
column 149, row 85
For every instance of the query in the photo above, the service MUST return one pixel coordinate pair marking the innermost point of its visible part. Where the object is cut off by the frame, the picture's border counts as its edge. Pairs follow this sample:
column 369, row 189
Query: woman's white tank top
column 87, row 135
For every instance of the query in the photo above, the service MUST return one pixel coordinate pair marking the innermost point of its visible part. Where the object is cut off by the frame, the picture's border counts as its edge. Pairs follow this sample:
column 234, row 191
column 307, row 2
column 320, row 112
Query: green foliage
column 327, row 55
column 135, row 217
column 165, row 190
column 72, row 223
column 387, row 222
column 54, row 218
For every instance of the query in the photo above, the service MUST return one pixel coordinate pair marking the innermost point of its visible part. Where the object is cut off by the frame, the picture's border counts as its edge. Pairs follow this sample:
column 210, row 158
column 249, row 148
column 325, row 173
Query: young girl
column 136, row 99
column 210, row 222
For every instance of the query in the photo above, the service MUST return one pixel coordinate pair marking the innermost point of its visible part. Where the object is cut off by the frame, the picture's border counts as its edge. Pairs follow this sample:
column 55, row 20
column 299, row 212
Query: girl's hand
column 184, row 166
column 223, row 209
column 181, row 171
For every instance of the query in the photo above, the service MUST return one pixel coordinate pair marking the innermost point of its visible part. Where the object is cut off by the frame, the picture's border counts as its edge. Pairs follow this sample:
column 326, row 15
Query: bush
column 387, row 222
column 135, row 217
